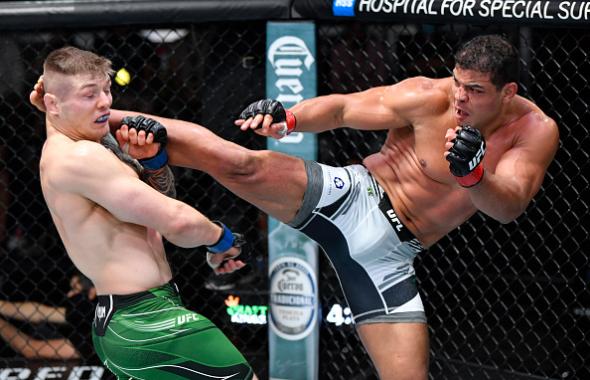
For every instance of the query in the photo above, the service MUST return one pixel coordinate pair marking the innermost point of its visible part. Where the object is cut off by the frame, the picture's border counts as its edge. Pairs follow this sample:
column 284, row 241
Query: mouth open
column 460, row 114
column 103, row 118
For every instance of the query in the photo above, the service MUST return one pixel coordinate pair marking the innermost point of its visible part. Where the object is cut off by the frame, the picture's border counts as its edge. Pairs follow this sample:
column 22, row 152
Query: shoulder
column 77, row 155
column 67, row 164
column 535, row 125
column 419, row 94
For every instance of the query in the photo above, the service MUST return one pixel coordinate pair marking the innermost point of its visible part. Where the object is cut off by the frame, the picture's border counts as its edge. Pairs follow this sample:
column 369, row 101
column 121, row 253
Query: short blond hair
column 73, row 61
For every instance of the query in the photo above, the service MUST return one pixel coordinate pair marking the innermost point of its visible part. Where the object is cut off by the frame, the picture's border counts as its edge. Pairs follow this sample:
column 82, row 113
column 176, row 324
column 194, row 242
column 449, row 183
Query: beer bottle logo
column 293, row 297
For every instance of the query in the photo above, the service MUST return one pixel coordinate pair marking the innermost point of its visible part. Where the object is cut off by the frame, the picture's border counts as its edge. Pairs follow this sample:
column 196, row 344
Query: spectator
column 76, row 313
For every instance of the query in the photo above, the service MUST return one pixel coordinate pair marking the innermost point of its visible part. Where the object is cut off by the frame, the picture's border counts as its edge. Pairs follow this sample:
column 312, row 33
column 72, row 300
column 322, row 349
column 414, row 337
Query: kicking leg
column 272, row 181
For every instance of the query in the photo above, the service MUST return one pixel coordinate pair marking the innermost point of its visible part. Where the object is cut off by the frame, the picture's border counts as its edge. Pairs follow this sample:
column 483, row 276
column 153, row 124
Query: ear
column 509, row 91
column 51, row 104
column 92, row 293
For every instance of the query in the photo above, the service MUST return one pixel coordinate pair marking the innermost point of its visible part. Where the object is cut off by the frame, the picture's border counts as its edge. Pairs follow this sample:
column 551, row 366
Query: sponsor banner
column 294, row 306
column 530, row 12
column 293, row 294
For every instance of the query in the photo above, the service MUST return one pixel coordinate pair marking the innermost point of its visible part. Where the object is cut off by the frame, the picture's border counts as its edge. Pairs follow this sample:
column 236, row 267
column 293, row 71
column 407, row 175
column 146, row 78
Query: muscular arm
column 34, row 348
column 505, row 194
column 97, row 175
column 367, row 110
column 32, row 311
column 378, row 108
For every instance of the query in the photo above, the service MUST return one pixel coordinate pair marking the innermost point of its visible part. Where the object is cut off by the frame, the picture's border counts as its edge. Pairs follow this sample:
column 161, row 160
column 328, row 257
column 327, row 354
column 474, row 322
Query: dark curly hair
column 490, row 54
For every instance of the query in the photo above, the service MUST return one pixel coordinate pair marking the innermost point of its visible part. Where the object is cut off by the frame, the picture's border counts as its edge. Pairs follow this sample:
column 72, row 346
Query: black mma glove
column 227, row 240
column 142, row 123
column 273, row 108
column 466, row 156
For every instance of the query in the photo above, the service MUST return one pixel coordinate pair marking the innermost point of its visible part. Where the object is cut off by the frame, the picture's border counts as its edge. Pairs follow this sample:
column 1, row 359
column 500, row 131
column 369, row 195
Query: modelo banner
column 529, row 12
column 293, row 302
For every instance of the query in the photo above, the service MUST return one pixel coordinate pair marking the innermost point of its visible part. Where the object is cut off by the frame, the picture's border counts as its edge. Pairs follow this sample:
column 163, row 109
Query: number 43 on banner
column 339, row 315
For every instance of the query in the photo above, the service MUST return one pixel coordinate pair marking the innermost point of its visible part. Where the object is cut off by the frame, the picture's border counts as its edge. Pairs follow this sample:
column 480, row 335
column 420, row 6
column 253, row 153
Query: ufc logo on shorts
column 477, row 159
column 182, row 319
column 393, row 217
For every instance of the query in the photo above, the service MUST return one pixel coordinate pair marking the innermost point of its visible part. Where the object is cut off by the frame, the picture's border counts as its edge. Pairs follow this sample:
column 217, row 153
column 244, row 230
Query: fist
column 270, row 116
column 465, row 154
column 270, row 107
column 147, row 125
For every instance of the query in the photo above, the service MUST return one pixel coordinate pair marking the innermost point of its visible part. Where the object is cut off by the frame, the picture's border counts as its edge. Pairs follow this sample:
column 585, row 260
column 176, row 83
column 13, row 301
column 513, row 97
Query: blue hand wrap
column 156, row 162
column 225, row 242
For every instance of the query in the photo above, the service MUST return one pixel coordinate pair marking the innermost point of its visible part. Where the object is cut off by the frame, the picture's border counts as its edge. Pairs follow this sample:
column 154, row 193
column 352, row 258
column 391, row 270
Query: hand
column 466, row 148
column 141, row 137
column 276, row 121
column 224, row 261
column 36, row 96
column 136, row 144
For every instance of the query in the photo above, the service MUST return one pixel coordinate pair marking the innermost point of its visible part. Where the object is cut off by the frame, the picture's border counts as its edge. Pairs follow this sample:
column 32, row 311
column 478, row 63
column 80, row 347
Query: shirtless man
column 372, row 220
column 112, row 224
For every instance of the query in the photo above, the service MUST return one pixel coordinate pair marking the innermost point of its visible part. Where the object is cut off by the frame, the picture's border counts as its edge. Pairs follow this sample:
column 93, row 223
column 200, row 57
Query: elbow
column 505, row 220
column 510, row 215
column 29, row 352
column 181, row 224
column 187, row 228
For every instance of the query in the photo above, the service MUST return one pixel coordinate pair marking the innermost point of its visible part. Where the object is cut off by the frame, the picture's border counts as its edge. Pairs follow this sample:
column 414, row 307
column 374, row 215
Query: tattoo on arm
column 162, row 180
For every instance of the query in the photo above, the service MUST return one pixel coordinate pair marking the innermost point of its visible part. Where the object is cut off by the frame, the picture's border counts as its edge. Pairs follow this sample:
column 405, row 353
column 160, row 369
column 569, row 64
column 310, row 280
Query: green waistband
column 168, row 290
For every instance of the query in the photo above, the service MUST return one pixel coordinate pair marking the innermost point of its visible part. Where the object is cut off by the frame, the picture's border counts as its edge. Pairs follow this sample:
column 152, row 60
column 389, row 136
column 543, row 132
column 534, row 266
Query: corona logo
column 289, row 57
column 293, row 294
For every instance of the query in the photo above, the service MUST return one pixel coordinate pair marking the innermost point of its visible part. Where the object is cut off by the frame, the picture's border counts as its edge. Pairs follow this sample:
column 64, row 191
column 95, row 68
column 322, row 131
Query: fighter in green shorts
column 112, row 208
column 151, row 335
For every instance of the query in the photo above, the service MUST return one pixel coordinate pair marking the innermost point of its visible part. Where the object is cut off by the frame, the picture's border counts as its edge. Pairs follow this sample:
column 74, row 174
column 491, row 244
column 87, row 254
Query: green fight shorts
column 151, row 335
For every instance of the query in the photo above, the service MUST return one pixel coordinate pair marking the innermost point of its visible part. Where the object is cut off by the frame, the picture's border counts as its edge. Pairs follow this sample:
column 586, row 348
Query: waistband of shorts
column 122, row 300
column 387, row 209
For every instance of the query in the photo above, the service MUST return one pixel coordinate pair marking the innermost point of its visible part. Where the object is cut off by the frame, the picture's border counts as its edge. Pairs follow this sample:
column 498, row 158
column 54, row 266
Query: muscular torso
column 413, row 171
column 120, row 258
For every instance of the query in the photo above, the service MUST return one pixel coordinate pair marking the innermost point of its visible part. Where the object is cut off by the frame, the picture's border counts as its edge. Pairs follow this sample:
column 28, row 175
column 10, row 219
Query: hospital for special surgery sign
column 561, row 12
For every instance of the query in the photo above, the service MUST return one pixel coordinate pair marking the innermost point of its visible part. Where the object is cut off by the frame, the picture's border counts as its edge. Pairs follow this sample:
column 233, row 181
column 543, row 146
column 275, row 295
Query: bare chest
column 426, row 147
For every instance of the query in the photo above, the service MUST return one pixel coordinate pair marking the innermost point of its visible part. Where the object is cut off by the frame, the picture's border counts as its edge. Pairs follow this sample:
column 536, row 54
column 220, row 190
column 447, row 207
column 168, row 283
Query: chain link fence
column 503, row 301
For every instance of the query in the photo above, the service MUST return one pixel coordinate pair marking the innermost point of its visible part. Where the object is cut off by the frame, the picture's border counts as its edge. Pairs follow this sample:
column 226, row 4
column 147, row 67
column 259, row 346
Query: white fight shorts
column 348, row 214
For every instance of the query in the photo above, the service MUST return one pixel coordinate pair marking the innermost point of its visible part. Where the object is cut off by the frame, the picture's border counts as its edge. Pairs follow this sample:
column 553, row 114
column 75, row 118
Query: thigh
column 398, row 350
column 176, row 344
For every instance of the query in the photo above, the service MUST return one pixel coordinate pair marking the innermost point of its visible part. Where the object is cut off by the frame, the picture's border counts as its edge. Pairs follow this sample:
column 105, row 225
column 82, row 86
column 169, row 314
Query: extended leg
column 273, row 182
